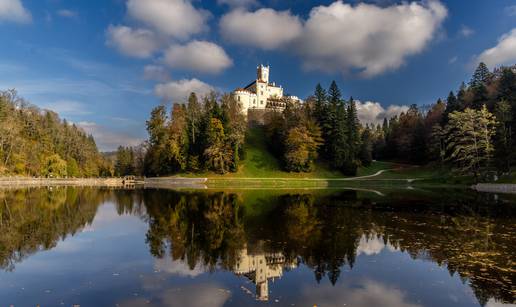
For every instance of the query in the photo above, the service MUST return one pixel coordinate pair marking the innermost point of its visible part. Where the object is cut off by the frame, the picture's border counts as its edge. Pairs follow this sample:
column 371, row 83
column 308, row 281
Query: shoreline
column 220, row 182
column 37, row 182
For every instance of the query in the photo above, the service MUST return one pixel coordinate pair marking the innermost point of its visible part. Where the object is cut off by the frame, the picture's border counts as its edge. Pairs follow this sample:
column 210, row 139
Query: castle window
column 238, row 98
column 261, row 92
column 261, row 101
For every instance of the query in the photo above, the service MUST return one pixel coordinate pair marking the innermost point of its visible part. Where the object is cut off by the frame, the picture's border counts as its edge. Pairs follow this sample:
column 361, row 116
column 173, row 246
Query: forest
column 470, row 132
column 35, row 142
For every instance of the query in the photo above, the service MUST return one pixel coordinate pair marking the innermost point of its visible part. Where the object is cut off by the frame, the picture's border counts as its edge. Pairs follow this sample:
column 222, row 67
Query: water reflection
column 260, row 237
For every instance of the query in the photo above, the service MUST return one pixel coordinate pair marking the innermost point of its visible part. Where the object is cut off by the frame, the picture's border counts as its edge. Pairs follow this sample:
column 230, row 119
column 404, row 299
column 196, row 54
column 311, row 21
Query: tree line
column 471, row 131
column 35, row 142
column 196, row 136
column 325, row 127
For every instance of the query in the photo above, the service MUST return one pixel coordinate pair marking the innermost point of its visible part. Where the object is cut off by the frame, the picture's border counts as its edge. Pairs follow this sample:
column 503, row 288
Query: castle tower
column 263, row 73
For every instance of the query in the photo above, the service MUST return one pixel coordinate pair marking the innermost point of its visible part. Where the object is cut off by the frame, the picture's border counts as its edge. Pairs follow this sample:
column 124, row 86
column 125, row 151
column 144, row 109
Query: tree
column 320, row 103
column 157, row 130
column 452, row 105
column 366, row 147
column 469, row 139
column 124, row 163
column 481, row 76
column 353, row 129
column 235, row 128
column 503, row 139
column 301, row 149
column 72, row 168
column 176, row 149
column 54, row 167
column 217, row 154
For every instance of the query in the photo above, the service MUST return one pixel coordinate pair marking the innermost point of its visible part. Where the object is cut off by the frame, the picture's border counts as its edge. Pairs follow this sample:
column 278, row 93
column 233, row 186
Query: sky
column 104, row 64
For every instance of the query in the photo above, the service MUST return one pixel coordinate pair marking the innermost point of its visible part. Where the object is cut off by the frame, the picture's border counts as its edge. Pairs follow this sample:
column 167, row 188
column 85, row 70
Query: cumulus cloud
column 155, row 72
column 176, row 18
column 198, row 56
column 178, row 91
column 366, row 37
column 138, row 43
column 14, row 11
column 108, row 140
column 373, row 113
column 67, row 13
column 503, row 53
column 264, row 28
column 238, row 3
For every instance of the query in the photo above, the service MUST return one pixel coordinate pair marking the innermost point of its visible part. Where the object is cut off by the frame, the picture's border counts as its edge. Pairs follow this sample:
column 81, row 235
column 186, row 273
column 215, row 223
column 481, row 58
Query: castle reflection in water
column 262, row 267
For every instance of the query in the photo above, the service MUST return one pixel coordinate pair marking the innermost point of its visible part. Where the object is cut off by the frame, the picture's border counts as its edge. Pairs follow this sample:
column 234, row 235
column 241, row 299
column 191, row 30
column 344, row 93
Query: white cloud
column 373, row 112
column 367, row 293
column 264, row 28
column 67, row 108
column 366, row 37
column 14, row 11
column 67, row 13
column 108, row 140
column 138, row 43
column 372, row 245
column 176, row 18
column 493, row 303
column 466, row 31
column 198, row 56
column 178, row 91
column 452, row 60
column 503, row 53
column 177, row 267
column 238, row 3
column 155, row 72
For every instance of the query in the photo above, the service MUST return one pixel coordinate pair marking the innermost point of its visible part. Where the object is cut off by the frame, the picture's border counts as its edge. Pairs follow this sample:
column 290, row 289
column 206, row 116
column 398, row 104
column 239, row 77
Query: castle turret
column 263, row 73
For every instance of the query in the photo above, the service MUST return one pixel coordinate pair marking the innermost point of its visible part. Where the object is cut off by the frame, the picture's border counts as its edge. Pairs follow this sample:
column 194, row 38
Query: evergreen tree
column 320, row 104
column 504, row 152
column 366, row 147
column 481, row 76
column 353, row 129
column 452, row 105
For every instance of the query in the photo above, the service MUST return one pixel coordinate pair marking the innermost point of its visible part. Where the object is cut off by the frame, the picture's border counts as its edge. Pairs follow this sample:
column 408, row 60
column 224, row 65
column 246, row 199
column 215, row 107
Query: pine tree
column 452, row 105
column 353, row 129
column 366, row 147
column 320, row 104
column 481, row 76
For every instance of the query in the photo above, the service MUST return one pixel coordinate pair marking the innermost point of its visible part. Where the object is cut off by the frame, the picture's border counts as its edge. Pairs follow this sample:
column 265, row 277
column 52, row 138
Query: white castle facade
column 262, row 94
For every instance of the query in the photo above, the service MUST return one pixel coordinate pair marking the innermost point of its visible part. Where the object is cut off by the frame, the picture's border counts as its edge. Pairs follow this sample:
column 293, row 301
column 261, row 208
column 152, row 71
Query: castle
column 262, row 94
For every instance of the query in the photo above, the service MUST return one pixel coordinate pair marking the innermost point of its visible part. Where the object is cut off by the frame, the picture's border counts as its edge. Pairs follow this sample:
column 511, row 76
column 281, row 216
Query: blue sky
column 104, row 64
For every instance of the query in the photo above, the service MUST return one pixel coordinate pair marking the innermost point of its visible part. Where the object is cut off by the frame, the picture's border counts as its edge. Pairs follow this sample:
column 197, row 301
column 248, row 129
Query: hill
column 259, row 162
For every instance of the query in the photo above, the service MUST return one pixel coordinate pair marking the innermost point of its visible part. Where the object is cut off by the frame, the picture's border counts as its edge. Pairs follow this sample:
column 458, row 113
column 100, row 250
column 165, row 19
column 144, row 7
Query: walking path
column 318, row 179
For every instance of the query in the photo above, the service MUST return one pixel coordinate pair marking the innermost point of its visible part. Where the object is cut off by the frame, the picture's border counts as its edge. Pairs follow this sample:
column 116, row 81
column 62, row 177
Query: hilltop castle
column 262, row 94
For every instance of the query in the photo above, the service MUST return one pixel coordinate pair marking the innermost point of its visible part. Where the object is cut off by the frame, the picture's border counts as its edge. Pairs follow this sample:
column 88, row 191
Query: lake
column 148, row 247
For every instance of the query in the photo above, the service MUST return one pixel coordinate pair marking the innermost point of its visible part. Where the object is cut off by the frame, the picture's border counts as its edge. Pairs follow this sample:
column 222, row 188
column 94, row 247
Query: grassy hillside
column 260, row 163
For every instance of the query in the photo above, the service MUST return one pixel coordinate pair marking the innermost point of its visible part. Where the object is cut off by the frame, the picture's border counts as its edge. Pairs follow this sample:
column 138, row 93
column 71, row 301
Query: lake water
column 403, row 248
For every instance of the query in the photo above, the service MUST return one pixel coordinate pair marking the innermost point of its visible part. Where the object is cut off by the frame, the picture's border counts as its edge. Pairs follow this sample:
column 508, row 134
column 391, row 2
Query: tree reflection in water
column 262, row 235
